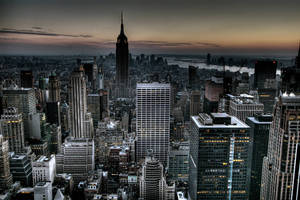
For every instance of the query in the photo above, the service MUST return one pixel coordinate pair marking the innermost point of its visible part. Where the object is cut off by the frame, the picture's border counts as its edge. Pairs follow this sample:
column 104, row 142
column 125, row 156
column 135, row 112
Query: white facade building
column 44, row 169
column 153, row 120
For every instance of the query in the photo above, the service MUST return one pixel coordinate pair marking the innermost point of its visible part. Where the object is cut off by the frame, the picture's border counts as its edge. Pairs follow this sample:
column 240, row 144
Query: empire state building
column 122, row 58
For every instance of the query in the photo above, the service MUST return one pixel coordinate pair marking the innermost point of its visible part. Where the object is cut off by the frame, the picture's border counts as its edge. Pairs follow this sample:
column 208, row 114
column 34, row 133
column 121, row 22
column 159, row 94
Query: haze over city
column 167, row 27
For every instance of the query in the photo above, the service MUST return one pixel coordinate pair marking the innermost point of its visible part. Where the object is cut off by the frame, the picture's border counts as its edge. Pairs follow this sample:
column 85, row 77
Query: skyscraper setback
column 122, row 58
column 54, row 88
column 13, row 129
column 153, row 120
column 278, row 165
column 81, row 121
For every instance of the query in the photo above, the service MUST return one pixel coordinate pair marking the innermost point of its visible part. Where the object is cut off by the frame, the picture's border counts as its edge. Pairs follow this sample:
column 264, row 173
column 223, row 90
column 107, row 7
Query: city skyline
column 195, row 27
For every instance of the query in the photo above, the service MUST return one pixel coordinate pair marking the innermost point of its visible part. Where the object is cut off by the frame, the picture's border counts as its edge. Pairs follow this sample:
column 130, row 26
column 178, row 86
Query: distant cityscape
column 149, row 127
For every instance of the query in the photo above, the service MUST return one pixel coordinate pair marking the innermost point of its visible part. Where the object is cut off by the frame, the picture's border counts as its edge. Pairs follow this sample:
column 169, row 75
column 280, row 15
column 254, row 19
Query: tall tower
column 5, row 176
column 13, row 129
column 278, row 165
column 298, row 58
column 54, row 88
column 219, row 165
column 95, row 70
column 153, row 120
column 80, row 120
column 151, row 180
column 122, row 57
column 24, row 100
column 26, row 79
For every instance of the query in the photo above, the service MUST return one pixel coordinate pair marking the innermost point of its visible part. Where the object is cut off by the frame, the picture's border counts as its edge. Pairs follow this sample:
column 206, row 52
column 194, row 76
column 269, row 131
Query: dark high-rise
column 290, row 77
column 298, row 58
column 54, row 88
column 219, row 157
column 122, row 57
column 259, row 137
column 265, row 83
column 26, row 79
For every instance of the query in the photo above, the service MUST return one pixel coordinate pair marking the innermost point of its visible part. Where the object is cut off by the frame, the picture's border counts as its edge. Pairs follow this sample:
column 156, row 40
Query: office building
column 24, row 100
column 98, row 105
column 5, row 175
column 76, row 158
column 43, row 191
column 53, row 112
column 278, row 165
column 80, row 119
column 290, row 77
column 65, row 117
column 244, row 106
column 179, row 162
column 55, row 138
column 26, row 79
column 153, row 120
column 34, row 126
column 296, row 176
column 259, row 137
column 54, row 88
column 219, row 157
column 196, row 103
column 100, row 79
column 213, row 91
column 265, row 83
column 21, row 169
column 193, row 76
column 122, row 54
column 44, row 169
column 13, row 129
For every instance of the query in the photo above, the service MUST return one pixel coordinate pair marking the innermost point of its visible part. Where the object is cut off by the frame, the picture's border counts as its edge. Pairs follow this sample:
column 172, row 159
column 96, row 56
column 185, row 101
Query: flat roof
column 152, row 85
column 254, row 120
column 235, row 123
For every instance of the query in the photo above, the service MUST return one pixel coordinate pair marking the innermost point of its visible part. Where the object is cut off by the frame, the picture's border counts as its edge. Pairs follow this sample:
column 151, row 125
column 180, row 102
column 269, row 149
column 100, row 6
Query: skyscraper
column 298, row 58
column 278, row 165
column 44, row 169
column 196, row 105
column 76, row 158
column 219, row 157
column 290, row 77
column 20, row 168
column 24, row 100
column 80, row 119
column 265, row 83
column 122, row 58
column 5, row 176
column 43, row 190
column 153, row 120
column 100, row 79
column 54, row 88
column 26, row 79
column 259, row 136
column 13, row 129
column 153, row 184
column 213, row 90
column 244, row 106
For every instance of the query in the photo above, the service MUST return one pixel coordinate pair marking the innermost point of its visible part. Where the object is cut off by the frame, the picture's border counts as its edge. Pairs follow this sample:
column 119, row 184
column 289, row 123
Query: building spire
column 299, row 49
column 122, row 26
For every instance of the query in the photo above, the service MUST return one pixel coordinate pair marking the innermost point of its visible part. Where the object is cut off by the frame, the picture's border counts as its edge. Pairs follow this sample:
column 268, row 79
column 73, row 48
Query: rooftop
column 152, row 85
column 218, row 117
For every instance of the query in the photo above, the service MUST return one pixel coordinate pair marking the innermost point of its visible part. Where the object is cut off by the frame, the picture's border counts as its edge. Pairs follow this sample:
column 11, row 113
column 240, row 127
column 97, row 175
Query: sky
column 54, row 27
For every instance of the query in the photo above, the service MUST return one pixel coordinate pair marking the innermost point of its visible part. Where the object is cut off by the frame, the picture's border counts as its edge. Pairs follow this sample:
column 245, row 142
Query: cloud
column 207, row 44
column 40, row 31
column 37, row 27
column 164, row 44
